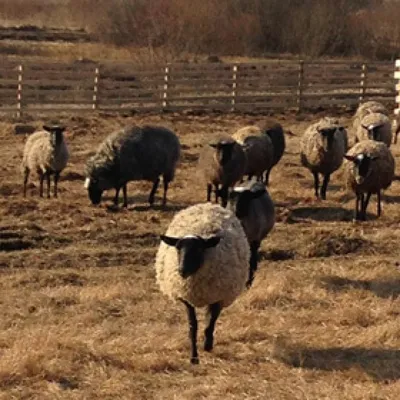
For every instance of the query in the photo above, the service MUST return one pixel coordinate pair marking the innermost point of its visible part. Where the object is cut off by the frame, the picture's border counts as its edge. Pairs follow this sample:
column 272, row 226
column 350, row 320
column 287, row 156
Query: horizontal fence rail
column 276, row 84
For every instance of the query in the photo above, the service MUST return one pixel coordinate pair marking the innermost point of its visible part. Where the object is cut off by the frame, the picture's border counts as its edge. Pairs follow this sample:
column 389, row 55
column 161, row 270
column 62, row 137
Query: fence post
column 363, row 83
column 234, row 86
column 397, row 79
column 95, row 88
column 300, row 86
column 165, row 91
column 19, row 92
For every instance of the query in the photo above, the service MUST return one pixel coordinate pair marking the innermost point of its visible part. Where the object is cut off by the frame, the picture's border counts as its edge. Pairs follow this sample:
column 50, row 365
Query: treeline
column 309, row 28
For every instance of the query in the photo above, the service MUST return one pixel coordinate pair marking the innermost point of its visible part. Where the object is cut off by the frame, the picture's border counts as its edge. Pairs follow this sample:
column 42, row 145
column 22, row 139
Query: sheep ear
column 373, row 158
column 212, row 241
column 47, row 128
column 365, row 127
column 170, row 241
column 87, row 183
column 213, row 145
column 350, row 158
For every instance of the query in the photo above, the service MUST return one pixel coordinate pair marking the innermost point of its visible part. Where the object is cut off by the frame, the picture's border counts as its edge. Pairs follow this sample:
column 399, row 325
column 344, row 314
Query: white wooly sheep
column 46, row 153
column 375, row 126
column 323, row 146
column 203, row 261
column 367, row 108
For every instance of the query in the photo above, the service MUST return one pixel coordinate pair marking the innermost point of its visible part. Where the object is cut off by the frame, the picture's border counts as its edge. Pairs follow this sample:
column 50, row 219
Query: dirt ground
column 83, row 318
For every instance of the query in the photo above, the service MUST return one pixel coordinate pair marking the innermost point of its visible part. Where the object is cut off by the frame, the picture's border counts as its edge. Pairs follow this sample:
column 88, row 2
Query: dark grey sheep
column 255, row 209
column 132, row 154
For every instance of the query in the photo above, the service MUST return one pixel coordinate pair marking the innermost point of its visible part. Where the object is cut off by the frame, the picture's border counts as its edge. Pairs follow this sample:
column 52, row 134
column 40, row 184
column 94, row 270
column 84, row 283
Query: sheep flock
column 209, row 254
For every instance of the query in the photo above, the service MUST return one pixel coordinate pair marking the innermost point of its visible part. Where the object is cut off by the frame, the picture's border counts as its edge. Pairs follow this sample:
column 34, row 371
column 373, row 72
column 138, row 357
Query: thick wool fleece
column 135, row 153
column 260, row 218
column 314, row 157
column 41, row 156
column 211, row 171
column 258, row 148
column 385, row 131
column 382, row 168
column 367, row 108
column 275, row 132
column 224, row 273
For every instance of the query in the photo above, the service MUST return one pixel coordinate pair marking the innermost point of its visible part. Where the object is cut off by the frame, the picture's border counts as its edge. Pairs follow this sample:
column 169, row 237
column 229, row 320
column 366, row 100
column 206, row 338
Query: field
column 82, row 316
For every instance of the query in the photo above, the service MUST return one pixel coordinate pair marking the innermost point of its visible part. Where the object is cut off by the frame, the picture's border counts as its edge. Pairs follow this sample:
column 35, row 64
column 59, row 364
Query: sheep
column 258, row 148
column 46, row 153
column 375, row 126
column 322, row 151
column 369, row 168
column 275, row 132
column 368, row 108
column 131, row 154
column 222, row 164
column 253, row 206
column 203, row 261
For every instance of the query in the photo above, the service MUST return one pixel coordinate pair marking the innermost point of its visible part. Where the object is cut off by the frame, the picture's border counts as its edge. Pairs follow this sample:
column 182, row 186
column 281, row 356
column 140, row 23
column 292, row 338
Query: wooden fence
column 84, row 86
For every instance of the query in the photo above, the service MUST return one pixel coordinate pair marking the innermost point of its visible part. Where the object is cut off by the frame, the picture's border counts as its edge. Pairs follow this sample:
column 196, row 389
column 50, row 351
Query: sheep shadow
column 276, row 255
column 391, row 199
column 72, row 176
column 326, row 214
column 159, row 207
column 383, row 288
column 382, row 365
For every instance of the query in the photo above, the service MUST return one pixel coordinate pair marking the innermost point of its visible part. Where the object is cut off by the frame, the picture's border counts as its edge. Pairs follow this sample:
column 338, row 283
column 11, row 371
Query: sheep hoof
column 249, row 283
column 194, row 360
column 208, row 344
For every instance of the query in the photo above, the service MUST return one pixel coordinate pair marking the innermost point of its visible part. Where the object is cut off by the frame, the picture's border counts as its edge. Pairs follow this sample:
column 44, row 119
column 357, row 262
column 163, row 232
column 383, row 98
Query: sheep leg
column 153, row 191
column 359, row 206
column 379, row 209
column 26, row 176
column 56, row 178
column 213, row 312
column 365, row 205
column 165, row 182
column 125, row 193
column 266, row 181
column 217, row 193
column 209, row 190
column 224, row 196
column 316, row 184
column 116, row 197
column 324, row 186
column 41, row 184
column 191, row 312
column 48, row 184
column 254, row 246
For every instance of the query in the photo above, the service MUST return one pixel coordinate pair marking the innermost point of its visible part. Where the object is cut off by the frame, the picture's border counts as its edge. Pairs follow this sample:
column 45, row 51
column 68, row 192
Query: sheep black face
column 361, row 166
column 94, row 191
column 241, row 198
column 191, row 251
column 328, row 135
column 56, row 134
column 224, row 151
column 373, row 131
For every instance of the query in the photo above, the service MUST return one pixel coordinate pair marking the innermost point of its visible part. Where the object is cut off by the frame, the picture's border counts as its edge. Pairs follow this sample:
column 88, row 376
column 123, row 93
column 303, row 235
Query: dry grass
column 82, row 316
